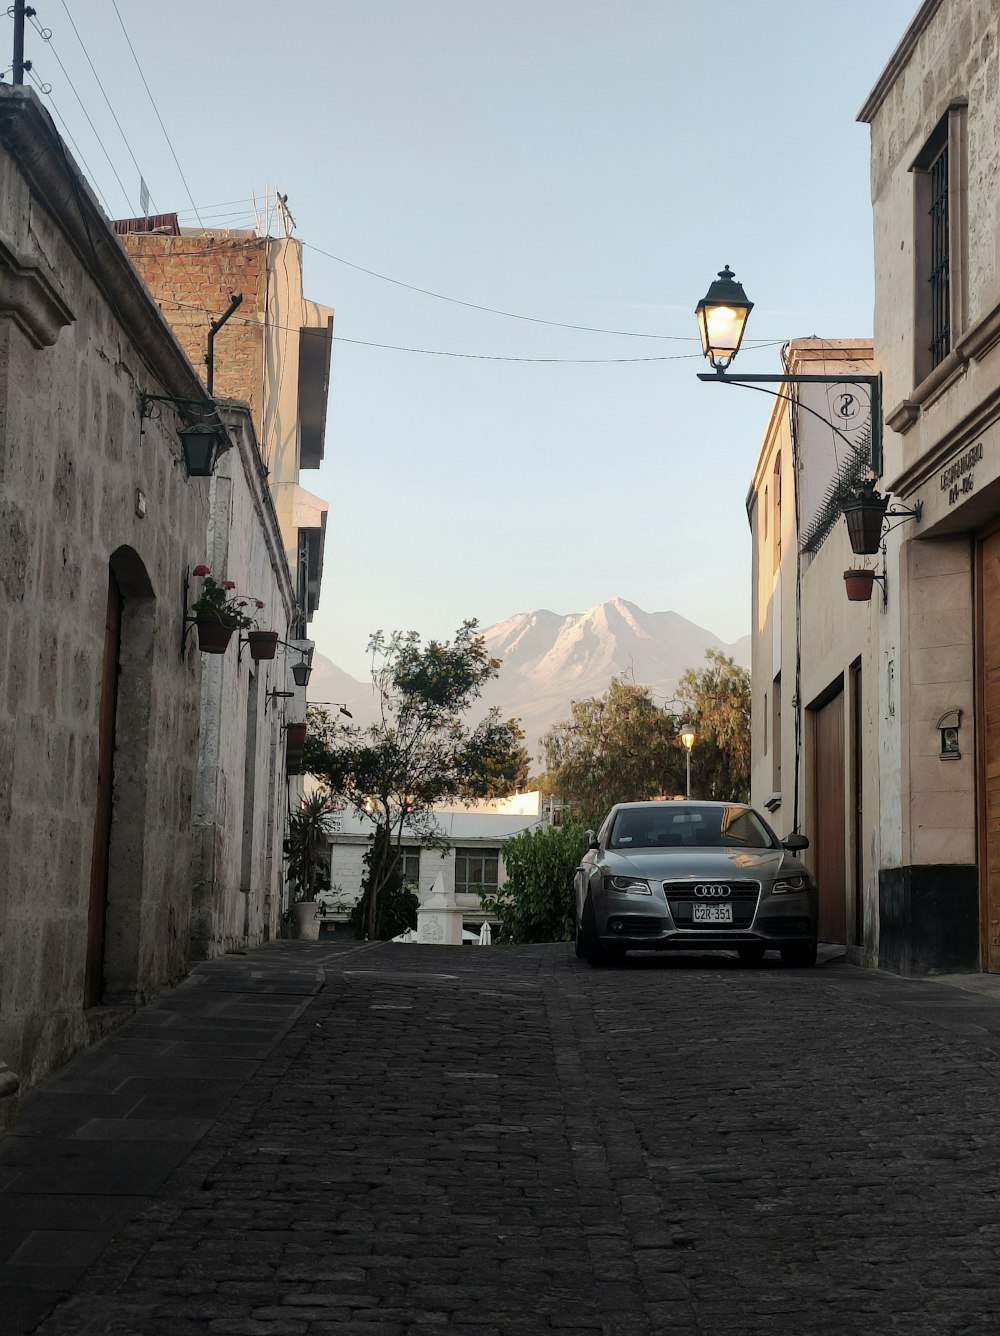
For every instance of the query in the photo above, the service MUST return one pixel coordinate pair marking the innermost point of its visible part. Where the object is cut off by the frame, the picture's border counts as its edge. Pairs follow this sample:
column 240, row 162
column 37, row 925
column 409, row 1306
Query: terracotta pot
column 263, row 644
column 858, row 584
column 296, row 735
column 214, row 633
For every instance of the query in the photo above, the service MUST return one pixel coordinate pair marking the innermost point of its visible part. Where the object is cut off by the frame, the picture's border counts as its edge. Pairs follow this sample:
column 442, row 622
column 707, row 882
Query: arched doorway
column 116, row 873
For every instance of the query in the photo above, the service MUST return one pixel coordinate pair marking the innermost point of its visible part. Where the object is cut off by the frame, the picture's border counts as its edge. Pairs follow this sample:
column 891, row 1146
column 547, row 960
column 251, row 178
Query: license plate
column 713, row 913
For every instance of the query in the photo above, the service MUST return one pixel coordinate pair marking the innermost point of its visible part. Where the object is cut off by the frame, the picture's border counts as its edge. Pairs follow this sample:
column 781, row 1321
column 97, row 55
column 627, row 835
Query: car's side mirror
column 592, row 841
column 793, row 843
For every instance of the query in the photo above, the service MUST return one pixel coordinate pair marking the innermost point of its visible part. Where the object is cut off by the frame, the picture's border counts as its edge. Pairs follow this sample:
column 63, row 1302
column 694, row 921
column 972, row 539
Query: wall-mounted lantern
column 949, row 724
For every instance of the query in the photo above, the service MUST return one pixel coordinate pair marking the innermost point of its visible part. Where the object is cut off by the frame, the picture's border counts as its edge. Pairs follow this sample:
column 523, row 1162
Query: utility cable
column 86, row 113
column 492, row 310
column 152, row 103
column 439, row 352
column 107, row 100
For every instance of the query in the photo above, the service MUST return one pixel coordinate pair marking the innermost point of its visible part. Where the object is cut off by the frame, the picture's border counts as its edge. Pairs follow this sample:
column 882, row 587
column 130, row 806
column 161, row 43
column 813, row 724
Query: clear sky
column 590, row 162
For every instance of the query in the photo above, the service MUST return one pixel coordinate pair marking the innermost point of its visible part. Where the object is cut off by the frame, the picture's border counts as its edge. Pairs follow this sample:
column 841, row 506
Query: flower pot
column 296, row 735
column 214, row 633
column 306, row 922
column 858, row 584
column 263, row 644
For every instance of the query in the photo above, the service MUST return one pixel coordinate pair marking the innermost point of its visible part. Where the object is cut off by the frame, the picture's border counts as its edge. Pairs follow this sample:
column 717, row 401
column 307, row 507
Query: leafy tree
column 397, row 904
column 307, row 844
column 421, row 751
column 535, row 904
column 717, row 703
column 619, row 747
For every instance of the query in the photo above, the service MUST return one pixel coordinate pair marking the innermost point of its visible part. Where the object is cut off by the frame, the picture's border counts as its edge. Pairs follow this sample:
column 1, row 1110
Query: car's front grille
column 683, row 896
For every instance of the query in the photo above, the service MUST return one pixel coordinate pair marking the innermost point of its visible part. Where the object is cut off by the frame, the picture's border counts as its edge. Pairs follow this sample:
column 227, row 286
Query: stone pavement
column 380, row 1140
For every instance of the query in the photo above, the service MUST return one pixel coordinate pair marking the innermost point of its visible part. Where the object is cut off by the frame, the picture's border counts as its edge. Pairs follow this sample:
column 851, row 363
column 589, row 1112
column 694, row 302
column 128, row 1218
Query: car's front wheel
column 591, row 946
column 800, row 955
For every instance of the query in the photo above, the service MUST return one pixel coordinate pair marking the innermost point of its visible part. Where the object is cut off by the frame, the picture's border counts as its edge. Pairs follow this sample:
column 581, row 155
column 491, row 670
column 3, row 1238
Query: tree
column 717, row 703
column 307, row 844
column 421, row 751
column 619, row 747
column 535, row 903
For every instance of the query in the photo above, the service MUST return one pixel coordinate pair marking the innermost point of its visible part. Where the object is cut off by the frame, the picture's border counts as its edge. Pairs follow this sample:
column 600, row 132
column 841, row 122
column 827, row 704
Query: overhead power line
column 152, row 103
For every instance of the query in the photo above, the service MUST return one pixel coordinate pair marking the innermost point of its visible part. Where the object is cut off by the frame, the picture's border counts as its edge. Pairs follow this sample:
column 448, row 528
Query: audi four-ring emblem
column 705, row 891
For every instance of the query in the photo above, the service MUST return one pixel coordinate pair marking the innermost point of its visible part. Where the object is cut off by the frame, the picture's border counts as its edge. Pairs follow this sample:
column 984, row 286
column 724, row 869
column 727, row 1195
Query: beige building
column 814, row 664
column 935, row 130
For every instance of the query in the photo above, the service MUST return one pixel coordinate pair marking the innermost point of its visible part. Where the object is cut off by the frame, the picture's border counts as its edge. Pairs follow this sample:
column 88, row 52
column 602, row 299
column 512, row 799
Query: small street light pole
column 687, row 739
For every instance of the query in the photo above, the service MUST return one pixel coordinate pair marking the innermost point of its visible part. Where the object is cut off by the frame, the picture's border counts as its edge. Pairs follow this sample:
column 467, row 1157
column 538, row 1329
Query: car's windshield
column 689, row 825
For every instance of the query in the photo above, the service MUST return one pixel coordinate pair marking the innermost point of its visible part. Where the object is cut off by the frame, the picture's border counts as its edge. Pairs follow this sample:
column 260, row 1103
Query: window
column 940, row 176
column 409, row 865
column 475, row 868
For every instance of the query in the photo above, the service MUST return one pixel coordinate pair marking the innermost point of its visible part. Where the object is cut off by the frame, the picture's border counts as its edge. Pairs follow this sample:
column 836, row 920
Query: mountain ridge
column 550, row 659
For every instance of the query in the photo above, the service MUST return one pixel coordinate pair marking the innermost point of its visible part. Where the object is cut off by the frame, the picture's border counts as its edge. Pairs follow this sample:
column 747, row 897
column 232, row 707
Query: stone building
column 266, row 531
column 274, row 353
column 99, row 521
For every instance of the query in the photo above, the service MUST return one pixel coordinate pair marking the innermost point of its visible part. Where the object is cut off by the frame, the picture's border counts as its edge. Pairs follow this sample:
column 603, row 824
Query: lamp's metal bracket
column 874, row 384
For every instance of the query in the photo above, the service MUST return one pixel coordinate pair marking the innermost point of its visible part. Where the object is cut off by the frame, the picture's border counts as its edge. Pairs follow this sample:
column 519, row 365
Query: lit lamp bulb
column 722, row 318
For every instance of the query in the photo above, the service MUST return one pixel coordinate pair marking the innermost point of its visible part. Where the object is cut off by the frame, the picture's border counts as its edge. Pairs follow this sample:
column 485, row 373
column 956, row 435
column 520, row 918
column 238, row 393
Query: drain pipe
column 213, row 329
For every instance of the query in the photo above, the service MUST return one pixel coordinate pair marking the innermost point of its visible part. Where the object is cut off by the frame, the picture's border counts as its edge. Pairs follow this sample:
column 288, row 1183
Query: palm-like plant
column 307, row 844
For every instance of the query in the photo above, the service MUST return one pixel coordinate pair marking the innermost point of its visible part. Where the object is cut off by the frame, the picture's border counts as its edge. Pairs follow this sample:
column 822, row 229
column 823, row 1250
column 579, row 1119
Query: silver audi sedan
column 676, row 875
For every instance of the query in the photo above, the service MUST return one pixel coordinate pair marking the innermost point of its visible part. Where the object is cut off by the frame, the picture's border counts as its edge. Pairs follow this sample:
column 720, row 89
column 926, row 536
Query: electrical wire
column 57, row 114
column 439, row 352
column 152, row 103
column 93, row 127
column 492, row 310
column 107, row 100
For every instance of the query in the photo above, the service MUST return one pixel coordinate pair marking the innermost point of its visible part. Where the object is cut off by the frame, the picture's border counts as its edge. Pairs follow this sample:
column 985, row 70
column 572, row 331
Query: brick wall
column 193, row 279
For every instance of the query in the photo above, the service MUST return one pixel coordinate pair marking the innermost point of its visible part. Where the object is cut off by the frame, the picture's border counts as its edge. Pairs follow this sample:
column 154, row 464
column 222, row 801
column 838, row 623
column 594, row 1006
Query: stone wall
column 89, row 493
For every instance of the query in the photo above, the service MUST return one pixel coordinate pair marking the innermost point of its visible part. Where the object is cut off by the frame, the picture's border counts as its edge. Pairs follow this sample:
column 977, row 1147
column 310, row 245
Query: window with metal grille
column 475, row 869
column 939, row 277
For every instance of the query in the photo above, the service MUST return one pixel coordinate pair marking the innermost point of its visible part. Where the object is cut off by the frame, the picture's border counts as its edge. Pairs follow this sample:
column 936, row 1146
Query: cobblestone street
column 389, row 1140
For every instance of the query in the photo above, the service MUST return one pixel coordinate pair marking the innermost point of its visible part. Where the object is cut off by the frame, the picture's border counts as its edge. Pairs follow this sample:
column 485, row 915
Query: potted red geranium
column 218, row 612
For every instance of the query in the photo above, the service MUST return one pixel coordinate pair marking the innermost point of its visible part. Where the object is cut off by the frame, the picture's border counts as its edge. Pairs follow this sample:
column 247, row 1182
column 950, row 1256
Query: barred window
column 939, row 277
column 940, row 242
column 475, row 869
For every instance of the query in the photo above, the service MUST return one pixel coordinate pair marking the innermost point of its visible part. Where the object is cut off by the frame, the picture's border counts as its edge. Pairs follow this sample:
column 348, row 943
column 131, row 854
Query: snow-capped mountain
column 550, row 659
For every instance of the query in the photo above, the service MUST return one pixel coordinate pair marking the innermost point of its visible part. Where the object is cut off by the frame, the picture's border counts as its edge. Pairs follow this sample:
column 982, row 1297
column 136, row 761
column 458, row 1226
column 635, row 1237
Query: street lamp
column 722, row 318
column 688, row 736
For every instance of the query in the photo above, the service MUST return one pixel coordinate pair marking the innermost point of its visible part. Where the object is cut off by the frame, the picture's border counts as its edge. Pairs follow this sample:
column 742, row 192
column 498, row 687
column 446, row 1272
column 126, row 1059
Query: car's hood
column 674, row 864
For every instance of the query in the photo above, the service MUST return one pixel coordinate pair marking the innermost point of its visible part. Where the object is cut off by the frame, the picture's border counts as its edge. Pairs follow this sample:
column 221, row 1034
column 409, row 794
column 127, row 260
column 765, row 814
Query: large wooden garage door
column 989, row 759
column 830, row 819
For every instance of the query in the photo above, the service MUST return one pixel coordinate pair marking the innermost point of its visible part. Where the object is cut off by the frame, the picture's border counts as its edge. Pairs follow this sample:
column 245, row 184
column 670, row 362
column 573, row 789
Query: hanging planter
column 296, row 735
column 263, row 644
column 858, row 584
column 214, row 632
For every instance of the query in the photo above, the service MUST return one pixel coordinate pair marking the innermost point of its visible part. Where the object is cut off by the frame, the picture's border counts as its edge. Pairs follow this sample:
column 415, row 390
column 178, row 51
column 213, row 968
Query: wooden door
column 830, row 819
column 857, row 824
column 94, row 981
column 988, row 654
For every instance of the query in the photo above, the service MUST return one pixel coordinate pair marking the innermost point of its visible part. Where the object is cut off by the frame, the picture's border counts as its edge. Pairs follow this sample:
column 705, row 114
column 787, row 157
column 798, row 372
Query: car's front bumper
column 772, row 921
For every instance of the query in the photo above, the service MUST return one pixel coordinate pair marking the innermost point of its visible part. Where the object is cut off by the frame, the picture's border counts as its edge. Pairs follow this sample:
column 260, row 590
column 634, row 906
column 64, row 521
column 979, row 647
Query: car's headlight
column 631, row 884
column 787, row 884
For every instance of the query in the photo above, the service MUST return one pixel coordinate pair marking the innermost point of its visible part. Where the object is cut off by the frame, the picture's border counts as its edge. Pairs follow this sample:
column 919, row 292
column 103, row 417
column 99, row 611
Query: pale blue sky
column 587, row 161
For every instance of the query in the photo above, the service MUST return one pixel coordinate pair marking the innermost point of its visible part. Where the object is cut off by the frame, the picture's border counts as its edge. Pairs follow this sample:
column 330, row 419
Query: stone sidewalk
column 379, row 1140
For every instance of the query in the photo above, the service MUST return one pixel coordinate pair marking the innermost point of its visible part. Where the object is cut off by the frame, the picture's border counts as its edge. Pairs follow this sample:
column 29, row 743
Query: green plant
column 535, row 904
column 307, row 845
column 218, row 599
column 397, row 903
